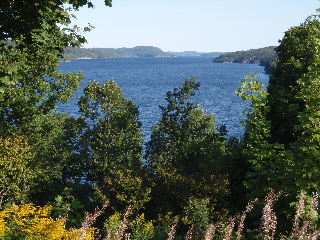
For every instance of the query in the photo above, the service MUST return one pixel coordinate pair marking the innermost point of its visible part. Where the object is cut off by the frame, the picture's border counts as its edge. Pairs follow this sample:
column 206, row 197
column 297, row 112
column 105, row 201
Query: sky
column 193, row 25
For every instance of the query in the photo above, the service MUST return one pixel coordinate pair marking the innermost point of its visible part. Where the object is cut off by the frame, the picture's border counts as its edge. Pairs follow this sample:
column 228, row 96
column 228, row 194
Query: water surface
column 146, row 81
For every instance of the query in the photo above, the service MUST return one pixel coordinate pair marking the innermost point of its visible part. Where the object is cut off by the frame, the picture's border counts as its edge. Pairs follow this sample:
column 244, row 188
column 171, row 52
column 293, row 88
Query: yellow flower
column 3, row 227
column 35, row 223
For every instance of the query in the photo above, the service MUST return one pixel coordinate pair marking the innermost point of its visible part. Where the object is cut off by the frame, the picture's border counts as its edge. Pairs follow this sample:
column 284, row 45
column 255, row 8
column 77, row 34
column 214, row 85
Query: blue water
column 146, row 81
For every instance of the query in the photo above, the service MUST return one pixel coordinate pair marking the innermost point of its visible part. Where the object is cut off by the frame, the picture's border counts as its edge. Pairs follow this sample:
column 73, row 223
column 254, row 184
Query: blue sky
column 200, row 25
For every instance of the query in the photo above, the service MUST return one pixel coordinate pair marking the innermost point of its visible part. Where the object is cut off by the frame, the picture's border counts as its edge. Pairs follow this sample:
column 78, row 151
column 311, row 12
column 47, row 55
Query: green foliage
column 24, row 77
column 163, row 225
column 113, row 143
column 16, row 170
column 31, row 88
column 186, row 151
column 298, row 52
column 142, row 229
column 113, row 124
column 282, row 129
column 267, row 159
column 112, row 225
column 57, row 164
column 33, row 36
column 22, row 18
column 123, row 187
column 190, row 165
column 306, row 150
column 186, row 138
column 112, row 127
column 68, row 205
column 197, row 215
column 238, row 166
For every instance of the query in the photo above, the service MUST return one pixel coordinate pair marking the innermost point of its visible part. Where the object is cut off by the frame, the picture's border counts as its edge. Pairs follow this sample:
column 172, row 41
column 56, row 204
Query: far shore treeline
column 72, row 53
column 92, row 176
column 265, row 57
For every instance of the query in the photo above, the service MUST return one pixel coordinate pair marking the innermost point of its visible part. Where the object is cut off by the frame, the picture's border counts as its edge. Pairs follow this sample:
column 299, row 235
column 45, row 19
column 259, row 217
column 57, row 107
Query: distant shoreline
column 71, row 53
column 91, row 58
column 88, row 58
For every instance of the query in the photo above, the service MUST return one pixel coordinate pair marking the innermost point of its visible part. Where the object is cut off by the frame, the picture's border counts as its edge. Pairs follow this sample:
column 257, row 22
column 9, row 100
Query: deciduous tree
column 113, row 143
column 186, row 151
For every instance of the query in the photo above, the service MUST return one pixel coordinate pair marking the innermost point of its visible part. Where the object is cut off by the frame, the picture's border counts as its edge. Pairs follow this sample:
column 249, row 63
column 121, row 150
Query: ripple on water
column 146, row 81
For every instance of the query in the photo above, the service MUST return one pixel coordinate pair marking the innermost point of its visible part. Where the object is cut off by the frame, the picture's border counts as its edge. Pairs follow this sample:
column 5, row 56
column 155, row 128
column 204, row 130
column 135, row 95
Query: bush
column 34, row 223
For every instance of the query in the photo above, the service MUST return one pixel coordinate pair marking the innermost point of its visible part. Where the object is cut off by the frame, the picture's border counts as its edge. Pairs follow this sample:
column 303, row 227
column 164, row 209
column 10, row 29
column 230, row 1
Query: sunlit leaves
column 187, row 151
column 283, row 126
column 112, row 142
column 16, row 169
column 34, row 223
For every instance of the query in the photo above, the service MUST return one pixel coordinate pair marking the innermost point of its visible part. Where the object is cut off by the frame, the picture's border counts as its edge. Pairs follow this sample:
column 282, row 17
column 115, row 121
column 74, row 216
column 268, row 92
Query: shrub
column 30, row 222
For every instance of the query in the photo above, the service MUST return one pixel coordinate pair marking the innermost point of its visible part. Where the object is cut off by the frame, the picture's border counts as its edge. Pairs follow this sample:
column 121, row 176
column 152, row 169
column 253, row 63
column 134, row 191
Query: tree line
column 265, row 57
column 72, row 53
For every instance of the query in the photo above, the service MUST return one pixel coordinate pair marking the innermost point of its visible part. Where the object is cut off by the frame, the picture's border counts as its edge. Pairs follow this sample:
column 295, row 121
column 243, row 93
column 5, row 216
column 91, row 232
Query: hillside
column 263, row 56
column 139, row 51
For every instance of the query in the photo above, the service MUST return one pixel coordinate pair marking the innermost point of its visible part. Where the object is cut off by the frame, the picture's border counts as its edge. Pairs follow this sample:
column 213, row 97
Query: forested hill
column 263, row 56
column 140, row 51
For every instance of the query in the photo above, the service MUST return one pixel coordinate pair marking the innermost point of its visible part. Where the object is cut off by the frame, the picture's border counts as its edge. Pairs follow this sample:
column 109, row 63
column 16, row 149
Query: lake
column 146, row 81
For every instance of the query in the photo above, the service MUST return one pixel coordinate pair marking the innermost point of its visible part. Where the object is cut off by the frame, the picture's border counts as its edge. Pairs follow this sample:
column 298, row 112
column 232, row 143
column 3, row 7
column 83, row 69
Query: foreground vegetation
column 30, row 222
column 192, row 182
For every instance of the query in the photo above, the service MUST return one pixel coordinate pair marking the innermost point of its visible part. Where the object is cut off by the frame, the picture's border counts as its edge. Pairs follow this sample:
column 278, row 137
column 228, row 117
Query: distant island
column 266, row 57
column 71, row 53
